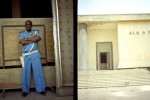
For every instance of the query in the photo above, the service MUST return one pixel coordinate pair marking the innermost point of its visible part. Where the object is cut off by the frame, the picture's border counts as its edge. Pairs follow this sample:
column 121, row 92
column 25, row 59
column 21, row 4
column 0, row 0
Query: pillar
column 83, row 49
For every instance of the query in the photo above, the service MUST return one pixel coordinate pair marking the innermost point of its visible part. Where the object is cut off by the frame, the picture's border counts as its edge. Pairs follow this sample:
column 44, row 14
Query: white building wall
column 134, row 44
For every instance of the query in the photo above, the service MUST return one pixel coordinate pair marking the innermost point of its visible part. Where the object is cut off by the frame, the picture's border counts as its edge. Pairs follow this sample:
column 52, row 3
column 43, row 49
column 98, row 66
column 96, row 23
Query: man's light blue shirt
column 24, row 35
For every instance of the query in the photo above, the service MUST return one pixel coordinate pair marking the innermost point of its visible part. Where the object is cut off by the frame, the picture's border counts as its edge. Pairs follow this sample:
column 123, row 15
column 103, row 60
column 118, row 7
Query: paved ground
column 116, row 93
column 16, row 95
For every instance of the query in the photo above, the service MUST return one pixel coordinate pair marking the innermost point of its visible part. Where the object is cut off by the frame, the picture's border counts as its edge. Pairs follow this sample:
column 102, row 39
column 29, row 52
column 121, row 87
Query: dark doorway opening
column 103, row 57
column 103, row 62
column 35, row 8
column 27, row 8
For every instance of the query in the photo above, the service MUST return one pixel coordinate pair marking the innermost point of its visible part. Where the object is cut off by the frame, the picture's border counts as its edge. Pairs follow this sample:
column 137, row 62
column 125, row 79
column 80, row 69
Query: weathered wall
column 65, row 10
column 11, row 78
column 10, row 49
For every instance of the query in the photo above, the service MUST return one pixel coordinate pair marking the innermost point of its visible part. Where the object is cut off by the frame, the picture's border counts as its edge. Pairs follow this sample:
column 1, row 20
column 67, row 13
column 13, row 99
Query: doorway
column 104, row 60
column 104, row 55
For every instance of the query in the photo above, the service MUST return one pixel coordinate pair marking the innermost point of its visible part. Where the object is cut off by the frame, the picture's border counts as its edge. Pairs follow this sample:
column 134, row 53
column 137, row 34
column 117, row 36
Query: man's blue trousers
column 33, row 61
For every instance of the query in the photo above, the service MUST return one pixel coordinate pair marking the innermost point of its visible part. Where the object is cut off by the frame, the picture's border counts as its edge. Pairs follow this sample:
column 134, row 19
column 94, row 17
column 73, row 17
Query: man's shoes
column 43, row 93
column 24, row 94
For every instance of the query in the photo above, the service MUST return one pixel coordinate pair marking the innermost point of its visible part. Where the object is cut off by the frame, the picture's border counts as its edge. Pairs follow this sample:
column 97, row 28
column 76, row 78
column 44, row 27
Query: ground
column 115, row 93
column 16, row 95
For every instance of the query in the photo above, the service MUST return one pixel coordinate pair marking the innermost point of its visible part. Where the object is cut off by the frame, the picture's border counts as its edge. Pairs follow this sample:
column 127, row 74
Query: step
column 111, row 78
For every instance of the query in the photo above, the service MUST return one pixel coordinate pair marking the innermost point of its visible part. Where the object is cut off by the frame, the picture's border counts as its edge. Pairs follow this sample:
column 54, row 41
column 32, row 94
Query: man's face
column 28, row 25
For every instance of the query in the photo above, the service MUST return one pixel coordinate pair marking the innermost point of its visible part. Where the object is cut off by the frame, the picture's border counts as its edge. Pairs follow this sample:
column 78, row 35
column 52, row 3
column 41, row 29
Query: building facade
column 110, row 42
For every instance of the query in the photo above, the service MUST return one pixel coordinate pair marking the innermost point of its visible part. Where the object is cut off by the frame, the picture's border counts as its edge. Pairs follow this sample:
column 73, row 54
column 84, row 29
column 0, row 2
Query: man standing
column 29, row 40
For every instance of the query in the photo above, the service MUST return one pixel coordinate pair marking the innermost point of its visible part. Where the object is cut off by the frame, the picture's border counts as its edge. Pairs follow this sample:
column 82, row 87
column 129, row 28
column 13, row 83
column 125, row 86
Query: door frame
column 98, row 52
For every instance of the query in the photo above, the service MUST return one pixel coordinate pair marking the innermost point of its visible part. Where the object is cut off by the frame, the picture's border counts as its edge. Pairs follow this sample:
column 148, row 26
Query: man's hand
column 34, row 35
column 30, row 40
column 24, row 42
column 34, row 39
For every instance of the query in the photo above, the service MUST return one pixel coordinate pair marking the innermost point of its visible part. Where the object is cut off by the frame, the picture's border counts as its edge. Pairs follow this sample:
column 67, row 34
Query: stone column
column 83, row 50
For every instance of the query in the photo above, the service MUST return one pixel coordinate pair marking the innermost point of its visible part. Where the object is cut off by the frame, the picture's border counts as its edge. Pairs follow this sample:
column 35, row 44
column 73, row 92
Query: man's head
column 28, row 25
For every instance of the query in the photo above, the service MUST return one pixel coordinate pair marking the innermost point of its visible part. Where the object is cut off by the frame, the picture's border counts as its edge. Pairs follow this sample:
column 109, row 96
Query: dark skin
column 35, row 38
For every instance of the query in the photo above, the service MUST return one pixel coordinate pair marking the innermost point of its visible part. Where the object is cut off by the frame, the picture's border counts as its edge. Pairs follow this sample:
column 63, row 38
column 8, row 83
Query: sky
column 94, row 7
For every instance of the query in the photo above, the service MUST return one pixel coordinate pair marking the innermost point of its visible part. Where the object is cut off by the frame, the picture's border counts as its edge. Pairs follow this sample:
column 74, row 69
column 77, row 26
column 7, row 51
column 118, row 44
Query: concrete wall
column 134, row 44
column 63, row 37
column 103, row 32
